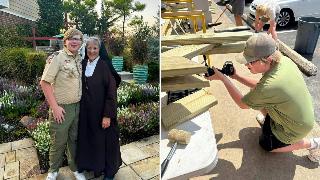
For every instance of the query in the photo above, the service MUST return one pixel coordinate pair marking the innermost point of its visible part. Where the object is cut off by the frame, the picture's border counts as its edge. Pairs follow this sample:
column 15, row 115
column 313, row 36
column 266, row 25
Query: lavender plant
column 17, row 99
column 135, row 94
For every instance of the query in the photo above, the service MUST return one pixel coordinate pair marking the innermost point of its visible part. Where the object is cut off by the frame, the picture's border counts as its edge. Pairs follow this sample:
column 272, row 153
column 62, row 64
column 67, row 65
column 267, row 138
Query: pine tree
column 51, row 17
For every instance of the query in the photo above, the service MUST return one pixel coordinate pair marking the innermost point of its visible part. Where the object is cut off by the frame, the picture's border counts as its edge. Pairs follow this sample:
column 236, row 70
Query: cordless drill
column 227, row 68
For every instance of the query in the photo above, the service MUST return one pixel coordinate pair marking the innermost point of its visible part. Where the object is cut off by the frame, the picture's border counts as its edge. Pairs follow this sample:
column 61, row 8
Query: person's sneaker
column 52, row 176
column 314, row 155
column 79, row 176
column 314, row 151
column 260, row 118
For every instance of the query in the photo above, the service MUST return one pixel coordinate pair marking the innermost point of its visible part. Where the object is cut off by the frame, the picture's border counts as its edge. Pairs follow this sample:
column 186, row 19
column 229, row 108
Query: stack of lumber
column 179, row 73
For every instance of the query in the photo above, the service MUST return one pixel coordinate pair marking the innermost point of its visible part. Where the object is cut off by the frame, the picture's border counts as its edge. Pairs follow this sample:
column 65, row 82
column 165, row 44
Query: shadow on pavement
column 282, row 165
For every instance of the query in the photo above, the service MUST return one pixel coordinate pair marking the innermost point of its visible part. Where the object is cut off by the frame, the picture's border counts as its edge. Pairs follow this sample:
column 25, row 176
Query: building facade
column 14, row 12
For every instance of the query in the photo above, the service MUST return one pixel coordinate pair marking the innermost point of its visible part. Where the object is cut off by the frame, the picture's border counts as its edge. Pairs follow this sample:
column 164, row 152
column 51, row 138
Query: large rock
column 5, row 147
column 29, row 122
column 2, row 161
column 29, row 162
column 10, row 156
column 24, row 143
column 11, row 170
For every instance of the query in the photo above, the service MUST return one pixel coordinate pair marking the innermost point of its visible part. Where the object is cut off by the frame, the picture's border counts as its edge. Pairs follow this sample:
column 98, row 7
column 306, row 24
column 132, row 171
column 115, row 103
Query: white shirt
column 273, row 9
column 90, row 67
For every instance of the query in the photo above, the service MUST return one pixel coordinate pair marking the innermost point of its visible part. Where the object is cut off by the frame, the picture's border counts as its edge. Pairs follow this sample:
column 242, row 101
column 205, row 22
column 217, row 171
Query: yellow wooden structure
column 185, row 14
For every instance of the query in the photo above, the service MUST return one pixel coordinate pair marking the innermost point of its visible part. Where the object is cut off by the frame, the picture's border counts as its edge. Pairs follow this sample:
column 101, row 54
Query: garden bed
column 138, row 114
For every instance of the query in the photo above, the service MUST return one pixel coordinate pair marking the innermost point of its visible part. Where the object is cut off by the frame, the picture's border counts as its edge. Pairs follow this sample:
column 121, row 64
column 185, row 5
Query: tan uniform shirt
column 64, row 73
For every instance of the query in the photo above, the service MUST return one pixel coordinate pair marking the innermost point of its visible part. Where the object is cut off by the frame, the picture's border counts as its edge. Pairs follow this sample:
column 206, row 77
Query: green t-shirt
column 285, row 96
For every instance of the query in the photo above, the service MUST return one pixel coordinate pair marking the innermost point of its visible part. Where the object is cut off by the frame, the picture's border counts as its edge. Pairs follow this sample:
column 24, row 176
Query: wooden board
column 228, row 48
column 208, row 38
column 232, row 29
column 166, row 28
column 186, row 108
column 188, row 51
column 180, row 66
column 304, row 65
column 183, row 83
column 172, row 14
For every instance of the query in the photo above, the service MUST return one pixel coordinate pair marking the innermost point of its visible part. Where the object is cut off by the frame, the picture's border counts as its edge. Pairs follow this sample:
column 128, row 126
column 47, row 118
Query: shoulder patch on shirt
column 50, row 57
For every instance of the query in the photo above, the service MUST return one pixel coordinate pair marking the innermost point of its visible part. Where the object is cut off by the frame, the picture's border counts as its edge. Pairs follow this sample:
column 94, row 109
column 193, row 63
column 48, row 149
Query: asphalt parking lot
column 288, row 36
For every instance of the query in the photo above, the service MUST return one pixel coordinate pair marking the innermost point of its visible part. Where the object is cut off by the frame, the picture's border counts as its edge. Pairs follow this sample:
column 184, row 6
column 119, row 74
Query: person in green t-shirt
column 281, row 95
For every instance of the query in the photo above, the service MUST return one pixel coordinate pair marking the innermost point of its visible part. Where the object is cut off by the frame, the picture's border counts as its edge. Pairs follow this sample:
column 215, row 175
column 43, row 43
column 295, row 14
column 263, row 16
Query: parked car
column 291, row 10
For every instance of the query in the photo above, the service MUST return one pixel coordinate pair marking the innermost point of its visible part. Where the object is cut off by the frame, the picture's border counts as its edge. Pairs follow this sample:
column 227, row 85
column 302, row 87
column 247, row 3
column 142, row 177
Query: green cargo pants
column 64, row 137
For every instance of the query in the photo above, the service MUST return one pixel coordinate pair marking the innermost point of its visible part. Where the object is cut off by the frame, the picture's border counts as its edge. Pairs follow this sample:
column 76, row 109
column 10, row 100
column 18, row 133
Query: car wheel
column 285, row 18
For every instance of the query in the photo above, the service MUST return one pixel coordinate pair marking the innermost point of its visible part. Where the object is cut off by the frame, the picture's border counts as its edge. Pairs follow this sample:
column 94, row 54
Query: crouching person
column 281, row 94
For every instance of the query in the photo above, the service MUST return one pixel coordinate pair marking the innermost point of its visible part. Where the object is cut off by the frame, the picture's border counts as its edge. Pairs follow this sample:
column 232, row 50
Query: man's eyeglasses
column 74, row 39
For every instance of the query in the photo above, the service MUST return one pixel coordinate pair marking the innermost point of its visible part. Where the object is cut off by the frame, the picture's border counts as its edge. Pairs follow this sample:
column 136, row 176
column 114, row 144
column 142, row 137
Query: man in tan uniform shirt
column 61, row 85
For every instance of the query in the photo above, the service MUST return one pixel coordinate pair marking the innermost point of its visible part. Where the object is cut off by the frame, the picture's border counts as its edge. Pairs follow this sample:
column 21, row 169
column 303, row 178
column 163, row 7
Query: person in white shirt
column 267, row 12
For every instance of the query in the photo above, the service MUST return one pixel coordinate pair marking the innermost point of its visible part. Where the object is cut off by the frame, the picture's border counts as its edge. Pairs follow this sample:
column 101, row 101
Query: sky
column 148, row 13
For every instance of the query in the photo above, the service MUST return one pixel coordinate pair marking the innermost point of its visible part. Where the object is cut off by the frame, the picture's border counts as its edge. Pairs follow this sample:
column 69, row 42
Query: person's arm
column 233, row 91
column 256, row 23
column 272, row 29
column 245, row 80
column 58, row 112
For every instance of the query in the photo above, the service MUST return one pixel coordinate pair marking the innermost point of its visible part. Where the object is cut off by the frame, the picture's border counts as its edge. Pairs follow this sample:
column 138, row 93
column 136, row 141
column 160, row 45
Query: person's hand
column 217, row 75
column 234, row 75
column 269, row 31
column 105, row 122
column 58, row 114
column 228, row 6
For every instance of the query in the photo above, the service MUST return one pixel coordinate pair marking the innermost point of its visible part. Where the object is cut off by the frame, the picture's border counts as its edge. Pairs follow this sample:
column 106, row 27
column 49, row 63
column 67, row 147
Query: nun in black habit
column 98, row 137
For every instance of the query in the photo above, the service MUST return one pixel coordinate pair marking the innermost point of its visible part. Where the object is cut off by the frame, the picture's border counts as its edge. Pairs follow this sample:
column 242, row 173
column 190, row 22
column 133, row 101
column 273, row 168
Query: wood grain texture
column 180, row 66
column 183, row 83
column 188, row 51
column 166, row 28
column 304, row 65
column 208, row 38
column 232, row 29
column 228, row 48
column 171, row 14
column 186, row 108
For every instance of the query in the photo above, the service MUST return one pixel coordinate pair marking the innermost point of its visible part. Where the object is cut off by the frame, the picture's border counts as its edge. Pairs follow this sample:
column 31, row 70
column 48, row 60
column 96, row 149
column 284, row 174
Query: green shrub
column 12, row 131
column 10, row 38
column 135, row 118
column 41, row 137
column 153, row 72
column 36, row 62
column 116, row 45
column 128, row 62
column 22, row 64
